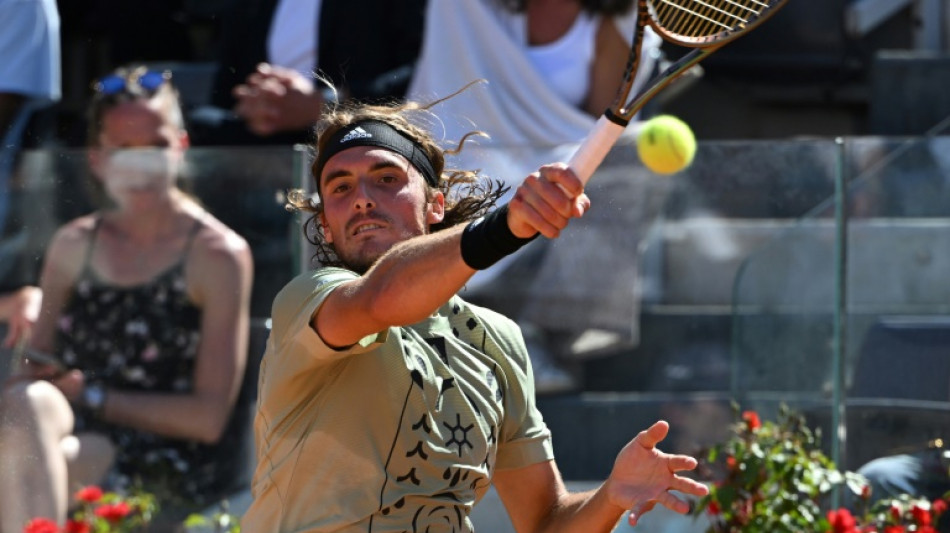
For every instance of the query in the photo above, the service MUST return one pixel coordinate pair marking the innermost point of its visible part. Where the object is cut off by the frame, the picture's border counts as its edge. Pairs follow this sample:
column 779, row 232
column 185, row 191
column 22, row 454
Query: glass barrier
column 845, row 311
column 244, row 188
column 739, row 278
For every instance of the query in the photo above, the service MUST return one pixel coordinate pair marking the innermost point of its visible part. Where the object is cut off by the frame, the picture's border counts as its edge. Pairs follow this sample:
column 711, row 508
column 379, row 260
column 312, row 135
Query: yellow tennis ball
column 666, row 144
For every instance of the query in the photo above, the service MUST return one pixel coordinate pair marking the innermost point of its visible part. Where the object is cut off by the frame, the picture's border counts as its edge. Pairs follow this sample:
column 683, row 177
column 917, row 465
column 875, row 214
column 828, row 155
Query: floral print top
column 141, row 338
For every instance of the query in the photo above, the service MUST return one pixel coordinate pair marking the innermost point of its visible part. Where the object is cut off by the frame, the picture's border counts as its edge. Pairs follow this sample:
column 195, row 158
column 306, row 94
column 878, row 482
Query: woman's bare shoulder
column 219, row 259
column 216, row 236
column 217, row 249
column 74, row 235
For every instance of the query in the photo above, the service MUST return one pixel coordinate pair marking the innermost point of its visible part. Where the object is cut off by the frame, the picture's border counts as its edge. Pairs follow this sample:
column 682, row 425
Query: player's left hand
column 644, row 476
column 546, row 201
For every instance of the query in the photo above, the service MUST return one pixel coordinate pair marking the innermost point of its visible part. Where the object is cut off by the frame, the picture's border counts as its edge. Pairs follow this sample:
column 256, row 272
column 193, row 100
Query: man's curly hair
column 467, row 195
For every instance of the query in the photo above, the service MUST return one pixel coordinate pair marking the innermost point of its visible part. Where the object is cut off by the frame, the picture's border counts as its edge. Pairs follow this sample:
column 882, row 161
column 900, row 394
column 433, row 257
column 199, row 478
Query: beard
column 364, row 257
column 360, row 265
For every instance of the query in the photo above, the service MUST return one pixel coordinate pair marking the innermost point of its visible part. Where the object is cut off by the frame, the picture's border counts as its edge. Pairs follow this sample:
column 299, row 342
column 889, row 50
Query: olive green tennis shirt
column 400, row 432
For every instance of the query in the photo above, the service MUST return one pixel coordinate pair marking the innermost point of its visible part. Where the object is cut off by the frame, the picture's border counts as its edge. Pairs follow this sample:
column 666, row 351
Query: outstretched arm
column 417, row 276
column 537, row 500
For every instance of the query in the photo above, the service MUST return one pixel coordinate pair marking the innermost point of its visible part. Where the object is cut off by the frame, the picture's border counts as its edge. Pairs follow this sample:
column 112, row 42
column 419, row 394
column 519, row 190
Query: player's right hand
column 546, row 201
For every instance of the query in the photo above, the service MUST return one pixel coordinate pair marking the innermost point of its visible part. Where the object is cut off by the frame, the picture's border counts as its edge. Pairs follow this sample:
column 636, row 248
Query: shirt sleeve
column 293, row 311
column 525, row 438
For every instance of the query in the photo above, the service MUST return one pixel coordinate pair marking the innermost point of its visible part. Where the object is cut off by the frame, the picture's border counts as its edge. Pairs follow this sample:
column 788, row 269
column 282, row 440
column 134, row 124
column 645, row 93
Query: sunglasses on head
column 149, row 80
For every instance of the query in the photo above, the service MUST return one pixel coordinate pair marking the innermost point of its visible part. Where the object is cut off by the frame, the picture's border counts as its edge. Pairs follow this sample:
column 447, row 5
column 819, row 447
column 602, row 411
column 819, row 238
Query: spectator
column 146, row 305
column 265, row 92
column 923, row 473
column 29, row 81
column 552, row 66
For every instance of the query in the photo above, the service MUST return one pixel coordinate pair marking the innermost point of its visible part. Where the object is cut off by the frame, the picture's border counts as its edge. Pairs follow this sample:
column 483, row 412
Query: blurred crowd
column 128, row 347
column 127, row 351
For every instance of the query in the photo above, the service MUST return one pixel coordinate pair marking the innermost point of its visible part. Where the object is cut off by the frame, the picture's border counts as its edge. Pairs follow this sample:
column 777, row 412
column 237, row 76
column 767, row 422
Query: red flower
column 939, row 507
column 41, row 525
column 76, row 526
column 751, row 419
column 896, row 512
column 90, row 494
column 926, row 529
column 894, row 529
column 921, row 515
column 713, row 508
column 114, row 512
column 841, row 521
column 731, row 462
column 866, row 492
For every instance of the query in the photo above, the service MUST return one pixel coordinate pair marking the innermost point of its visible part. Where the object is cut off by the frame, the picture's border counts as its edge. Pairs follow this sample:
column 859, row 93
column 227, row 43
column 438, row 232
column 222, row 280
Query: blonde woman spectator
column 146, row 305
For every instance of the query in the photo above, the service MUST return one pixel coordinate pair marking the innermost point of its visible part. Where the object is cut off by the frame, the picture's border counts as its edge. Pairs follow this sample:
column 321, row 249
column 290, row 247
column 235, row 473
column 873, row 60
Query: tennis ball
column 666, row 144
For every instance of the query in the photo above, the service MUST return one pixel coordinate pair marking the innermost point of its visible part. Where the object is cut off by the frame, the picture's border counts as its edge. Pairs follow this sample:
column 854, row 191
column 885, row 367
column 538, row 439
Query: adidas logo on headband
column 356, row 133
column 370, row 132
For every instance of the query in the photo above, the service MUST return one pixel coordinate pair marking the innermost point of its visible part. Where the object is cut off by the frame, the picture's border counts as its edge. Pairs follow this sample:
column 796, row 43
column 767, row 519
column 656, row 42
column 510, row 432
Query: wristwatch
column 94, row 398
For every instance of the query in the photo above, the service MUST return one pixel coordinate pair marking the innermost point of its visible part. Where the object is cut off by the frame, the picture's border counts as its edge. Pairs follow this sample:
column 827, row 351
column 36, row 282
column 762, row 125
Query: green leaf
column 196, row 520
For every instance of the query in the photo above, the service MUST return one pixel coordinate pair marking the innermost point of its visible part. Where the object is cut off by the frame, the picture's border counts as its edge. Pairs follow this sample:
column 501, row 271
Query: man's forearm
column 416, row 277
column 583, row 512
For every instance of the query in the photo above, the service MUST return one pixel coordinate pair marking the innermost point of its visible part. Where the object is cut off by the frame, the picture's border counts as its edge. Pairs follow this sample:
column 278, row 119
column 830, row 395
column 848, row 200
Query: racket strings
column 705, row 18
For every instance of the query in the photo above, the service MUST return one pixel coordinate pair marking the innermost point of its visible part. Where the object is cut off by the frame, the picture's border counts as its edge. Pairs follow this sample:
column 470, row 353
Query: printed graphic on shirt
column 449, row 427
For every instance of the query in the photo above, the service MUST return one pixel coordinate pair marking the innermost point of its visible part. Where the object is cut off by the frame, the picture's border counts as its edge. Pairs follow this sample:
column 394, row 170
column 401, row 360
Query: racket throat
column 619, row 120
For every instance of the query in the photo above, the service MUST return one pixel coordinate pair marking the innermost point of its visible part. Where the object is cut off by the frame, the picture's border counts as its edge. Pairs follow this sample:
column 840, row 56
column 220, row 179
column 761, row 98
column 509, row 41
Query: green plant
column 771, row 477
column 109, row 512
column 902, row 514
column 101, row 512
column 221, row 521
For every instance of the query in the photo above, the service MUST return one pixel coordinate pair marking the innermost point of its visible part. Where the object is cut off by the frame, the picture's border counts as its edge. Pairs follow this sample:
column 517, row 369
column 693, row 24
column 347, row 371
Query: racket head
column 707, row 23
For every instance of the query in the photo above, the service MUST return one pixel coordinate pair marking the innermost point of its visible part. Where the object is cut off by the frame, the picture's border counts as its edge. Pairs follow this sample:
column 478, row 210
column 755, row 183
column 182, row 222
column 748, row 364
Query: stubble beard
column 361, row 263
column 364, row 259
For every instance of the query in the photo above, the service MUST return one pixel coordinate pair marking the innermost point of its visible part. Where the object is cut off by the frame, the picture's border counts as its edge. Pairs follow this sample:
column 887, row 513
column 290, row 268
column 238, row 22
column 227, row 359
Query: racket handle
column 594, row 148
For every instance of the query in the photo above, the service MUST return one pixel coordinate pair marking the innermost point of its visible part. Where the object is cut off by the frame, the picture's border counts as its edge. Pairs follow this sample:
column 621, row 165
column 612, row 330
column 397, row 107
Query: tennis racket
column 703, row 25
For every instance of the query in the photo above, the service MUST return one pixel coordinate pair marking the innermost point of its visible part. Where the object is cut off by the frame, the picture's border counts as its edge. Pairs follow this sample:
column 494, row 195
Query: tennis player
column 386, row 402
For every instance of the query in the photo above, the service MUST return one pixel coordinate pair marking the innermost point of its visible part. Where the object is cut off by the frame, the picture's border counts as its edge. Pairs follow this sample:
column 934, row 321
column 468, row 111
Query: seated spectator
column 265, row 91
column 924, row 473
column 29, row 81
column 552, row 68
column 145, row 303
